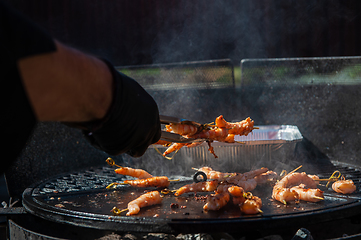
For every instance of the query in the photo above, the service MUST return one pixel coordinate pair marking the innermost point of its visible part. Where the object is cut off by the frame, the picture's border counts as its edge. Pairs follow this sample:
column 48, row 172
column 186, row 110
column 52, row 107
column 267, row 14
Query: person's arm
column 115, row 113
column 67, row 85
column 63, row 84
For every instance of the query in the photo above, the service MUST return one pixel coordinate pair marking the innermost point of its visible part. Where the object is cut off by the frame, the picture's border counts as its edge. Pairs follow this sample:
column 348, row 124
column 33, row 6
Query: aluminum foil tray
column 271, row 134
column 269, row 146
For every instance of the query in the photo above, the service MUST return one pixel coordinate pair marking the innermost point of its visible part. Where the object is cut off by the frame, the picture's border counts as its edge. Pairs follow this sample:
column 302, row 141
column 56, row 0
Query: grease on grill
column 174, row 205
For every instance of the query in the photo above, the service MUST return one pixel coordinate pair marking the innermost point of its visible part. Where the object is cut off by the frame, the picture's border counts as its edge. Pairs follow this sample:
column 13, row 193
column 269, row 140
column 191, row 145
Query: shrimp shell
column 266, row 177
column 216, row 201
column 251, row 206
column 173, row 147
column 238, row 200
column 160, row 182
column 223, row 188
column 216, row 134
column 247, row 185
column 243, row 127
column 283, row 194
column 147, row 199
column 344, row 186
column 182, row 129
column 208, row 186
column 236, row 191
column 315, row 178
column 229, row 138
column 308, row 194
column 212, row 174
column 256, row 172
column 137, row 173
column 295, row 179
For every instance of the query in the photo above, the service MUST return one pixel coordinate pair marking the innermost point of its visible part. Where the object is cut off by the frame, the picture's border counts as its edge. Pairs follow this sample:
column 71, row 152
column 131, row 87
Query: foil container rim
column 265, row 134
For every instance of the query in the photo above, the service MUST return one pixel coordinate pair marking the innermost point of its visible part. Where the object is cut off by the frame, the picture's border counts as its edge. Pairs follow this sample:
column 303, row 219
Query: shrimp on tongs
column 178, row 134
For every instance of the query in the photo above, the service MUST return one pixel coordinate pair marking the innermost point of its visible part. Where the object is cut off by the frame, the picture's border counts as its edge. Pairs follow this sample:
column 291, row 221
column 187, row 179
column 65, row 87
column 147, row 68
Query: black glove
column 132, row 122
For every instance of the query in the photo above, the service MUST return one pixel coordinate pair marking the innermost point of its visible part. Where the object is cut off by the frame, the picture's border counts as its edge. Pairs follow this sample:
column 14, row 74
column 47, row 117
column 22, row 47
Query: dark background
column 153, row 31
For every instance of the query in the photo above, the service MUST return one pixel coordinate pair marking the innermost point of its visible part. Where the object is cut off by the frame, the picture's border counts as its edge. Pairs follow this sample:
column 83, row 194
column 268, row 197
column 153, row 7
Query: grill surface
column 81, row 199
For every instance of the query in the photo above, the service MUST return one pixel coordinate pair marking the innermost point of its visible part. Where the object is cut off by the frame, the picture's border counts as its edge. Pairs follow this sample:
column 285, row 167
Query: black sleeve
column 19, row 38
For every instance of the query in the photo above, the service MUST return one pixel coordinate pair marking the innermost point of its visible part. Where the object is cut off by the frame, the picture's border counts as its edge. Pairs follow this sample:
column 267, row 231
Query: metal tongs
column 173, row 137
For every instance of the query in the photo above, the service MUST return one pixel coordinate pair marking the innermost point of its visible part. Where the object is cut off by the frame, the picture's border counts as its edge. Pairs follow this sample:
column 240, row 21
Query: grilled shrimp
column 216, row 201
column 236, row 191
column 248, row 205
column 223, row 187
column 137, row 173
column 173, row 147
column 283, row 195
column 253, row 173
column 344, row 186
column 212, row 174
column 251, row 206
column 237, row 194
column 315, row 178
column 216, row 134
column 308, row 194
column 265, row 177
column 160, row 182
column 163, row 143
column 243, row 127
column 182, row 129
column 283, row 192
column 295, row 179
column 247, row 185
column 208, row 186
column 229, row 138
column 246, row 180
column 176, row 146
column 147, row 199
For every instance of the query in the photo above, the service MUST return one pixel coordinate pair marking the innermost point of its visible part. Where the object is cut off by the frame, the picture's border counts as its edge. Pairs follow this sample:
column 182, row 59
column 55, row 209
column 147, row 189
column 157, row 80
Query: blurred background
column 154, row 31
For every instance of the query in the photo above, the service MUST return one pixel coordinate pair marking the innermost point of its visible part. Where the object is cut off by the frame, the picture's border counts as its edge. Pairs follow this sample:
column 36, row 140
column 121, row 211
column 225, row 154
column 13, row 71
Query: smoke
column 205, row 30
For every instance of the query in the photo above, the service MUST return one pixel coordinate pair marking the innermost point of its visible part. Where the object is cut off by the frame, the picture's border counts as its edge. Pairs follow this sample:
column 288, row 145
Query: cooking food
column 216, row 201
column 137, row 173
column 251, row 206
column 145, row 200
column 159, row 182
column 308, row 194
column 182, row 129
column 234, row 188
column 247, row 202
column 266, row 177
column 289, row 188
column 212, row 174
column 230, row 186
column 222, row 131
column 238, row 128
column 174, row 147
column 247, row 181
column 207, row 186
column 344, row 186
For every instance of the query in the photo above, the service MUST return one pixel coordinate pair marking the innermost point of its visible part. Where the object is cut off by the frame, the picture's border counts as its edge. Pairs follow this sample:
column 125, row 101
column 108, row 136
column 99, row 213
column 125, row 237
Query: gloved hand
column 132, row 122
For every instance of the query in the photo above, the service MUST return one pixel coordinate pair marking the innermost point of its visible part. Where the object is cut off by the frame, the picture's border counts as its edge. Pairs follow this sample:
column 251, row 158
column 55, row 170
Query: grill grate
column 93, row 179
column 82, row 199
